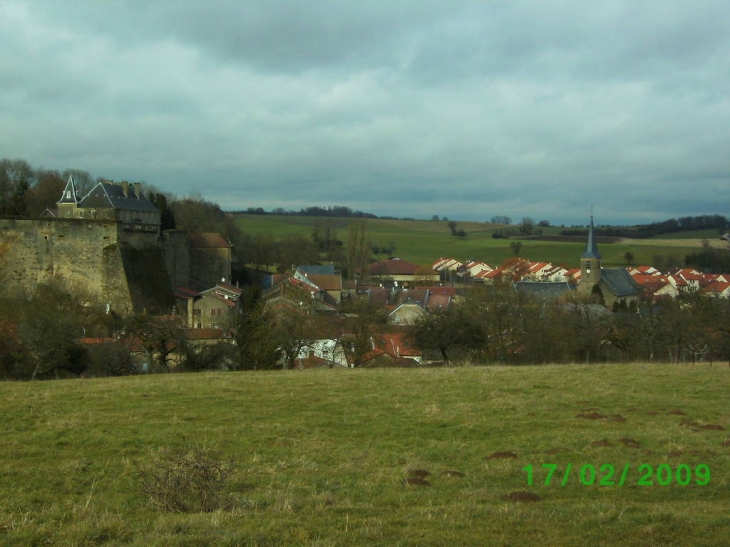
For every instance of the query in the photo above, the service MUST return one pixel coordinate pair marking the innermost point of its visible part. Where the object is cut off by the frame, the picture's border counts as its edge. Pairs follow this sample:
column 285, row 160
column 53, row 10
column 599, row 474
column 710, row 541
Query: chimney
column 138, row 189
column 125, row 187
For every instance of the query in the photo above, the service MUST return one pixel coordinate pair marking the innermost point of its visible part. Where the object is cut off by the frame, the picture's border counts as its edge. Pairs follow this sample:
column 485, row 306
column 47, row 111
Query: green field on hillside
column 379, row 457
column 423, row 242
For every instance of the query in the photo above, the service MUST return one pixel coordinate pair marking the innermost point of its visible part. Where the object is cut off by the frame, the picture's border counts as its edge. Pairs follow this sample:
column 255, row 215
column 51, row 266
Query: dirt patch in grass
column 603, row 443
column 629, row 442
column 521, row 496
column 696, row 426
column 677, row 412
column 598, row 416
column 557, row 450
column 501, row 455
column 419, row 473
column 417, row 477
column 725, row 443
column 675, row 454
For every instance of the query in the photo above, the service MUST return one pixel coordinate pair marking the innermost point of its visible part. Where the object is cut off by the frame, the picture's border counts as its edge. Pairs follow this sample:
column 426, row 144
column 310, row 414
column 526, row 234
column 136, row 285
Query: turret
column 69, row 202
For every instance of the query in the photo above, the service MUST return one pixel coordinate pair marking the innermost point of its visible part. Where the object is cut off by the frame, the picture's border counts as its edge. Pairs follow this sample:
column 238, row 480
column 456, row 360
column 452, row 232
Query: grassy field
column 380, row 457
column 423, row 242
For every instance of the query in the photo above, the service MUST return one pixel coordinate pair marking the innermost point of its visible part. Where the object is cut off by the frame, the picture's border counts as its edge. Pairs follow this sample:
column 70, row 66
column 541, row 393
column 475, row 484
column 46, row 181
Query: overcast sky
column 405, row 107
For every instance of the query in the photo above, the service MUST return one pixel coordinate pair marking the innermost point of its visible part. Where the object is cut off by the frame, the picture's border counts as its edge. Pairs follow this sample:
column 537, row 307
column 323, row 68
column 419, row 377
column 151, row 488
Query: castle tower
column 590, row 263
column 69, row 202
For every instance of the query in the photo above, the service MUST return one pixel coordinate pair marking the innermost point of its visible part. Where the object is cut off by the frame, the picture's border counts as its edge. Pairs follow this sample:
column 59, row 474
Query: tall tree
column 252, row 324
column 358, row 249
column 16, row 177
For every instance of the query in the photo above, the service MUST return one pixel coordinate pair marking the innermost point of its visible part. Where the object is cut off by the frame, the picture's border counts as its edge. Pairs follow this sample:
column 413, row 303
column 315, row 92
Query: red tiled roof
column 91, row 341
column 185, row 292
column 205, row 334
column 327, row 282
column 394, row 267
column 718, row 287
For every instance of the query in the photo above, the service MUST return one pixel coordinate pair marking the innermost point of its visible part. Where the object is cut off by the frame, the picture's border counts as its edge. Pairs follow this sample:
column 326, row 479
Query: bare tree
column 358, row 248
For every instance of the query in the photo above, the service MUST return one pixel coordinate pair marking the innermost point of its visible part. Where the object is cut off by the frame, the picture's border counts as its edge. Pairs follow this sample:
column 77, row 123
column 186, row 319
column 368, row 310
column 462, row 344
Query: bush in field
column 190, row 479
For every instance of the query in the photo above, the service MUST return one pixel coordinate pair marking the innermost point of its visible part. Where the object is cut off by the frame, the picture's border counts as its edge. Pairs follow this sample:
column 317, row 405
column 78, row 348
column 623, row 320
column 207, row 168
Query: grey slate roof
column 110, row 195
column 550, row 291
column 326, row 269
column 70, row 194
column 591, row 245
column 620, row 282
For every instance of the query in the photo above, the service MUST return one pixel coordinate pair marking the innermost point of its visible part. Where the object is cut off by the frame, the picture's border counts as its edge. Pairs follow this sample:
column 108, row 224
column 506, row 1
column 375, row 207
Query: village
column 188, row 314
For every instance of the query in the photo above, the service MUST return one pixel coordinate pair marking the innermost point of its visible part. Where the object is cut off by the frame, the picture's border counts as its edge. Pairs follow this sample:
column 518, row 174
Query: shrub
column 189, row 479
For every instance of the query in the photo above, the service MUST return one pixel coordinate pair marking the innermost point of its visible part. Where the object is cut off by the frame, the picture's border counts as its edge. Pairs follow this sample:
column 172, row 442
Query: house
column 328, row 286
column 386, row 350
column 446, row 265
column 476, row 268
column 718, row 289
column 208, row 309
column 327, row 353
column 555, row 274
column 536, row 271
column 490, row 278
column 298, row 292
column 656, row 285
column 407, row 313
column 394, row 269
column 644, row 270
column 110, row 201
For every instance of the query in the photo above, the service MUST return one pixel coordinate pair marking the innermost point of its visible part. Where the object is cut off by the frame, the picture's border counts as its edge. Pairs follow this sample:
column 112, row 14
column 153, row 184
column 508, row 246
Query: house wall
column 214, row 314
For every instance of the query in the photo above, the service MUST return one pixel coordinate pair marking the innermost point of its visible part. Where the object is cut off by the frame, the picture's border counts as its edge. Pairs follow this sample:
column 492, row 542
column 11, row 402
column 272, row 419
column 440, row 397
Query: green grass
column 322, row 455
column 424, row 242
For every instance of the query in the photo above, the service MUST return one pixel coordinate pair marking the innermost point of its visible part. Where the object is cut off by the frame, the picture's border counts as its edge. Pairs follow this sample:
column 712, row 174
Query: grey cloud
column 411, row 108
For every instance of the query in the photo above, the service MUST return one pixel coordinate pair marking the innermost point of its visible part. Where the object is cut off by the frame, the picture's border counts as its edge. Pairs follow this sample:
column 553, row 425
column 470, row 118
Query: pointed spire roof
column 69, row 193
column 591, row 245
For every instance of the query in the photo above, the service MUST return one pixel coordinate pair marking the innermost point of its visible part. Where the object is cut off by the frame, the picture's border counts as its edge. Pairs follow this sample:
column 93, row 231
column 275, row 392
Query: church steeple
column 590, row 262
column 591, row 245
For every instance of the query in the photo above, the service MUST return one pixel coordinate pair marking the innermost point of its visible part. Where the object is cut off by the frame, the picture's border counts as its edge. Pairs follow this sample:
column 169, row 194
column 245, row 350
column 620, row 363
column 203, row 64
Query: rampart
column 112, row 264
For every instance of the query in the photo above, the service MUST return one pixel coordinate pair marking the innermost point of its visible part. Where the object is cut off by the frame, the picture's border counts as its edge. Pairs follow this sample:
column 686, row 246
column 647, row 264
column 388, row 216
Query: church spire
column 591, row 245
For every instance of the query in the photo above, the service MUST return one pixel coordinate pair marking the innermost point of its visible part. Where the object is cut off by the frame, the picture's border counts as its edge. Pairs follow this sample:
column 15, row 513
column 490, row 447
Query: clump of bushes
column 189, row 479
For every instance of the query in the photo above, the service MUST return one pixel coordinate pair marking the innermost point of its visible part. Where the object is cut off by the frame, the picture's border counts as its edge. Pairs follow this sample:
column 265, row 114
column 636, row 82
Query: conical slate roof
column 69, row 193
column 591, row 246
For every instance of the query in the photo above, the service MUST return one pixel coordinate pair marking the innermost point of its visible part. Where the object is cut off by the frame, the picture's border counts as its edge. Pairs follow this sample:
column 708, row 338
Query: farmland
column 377, row 457
column 423, row 241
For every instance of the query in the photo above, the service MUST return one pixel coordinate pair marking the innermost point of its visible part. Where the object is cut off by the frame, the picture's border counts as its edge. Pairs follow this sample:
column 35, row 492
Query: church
column 614, row 287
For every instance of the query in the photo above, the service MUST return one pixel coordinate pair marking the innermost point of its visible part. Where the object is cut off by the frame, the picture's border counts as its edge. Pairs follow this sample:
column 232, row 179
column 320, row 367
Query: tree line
column 499, row 325
column 40, row 336
column 670, row 226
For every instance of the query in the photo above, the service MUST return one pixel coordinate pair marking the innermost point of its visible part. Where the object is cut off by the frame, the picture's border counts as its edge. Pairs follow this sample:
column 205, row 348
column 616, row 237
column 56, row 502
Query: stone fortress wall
column 112, row 263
